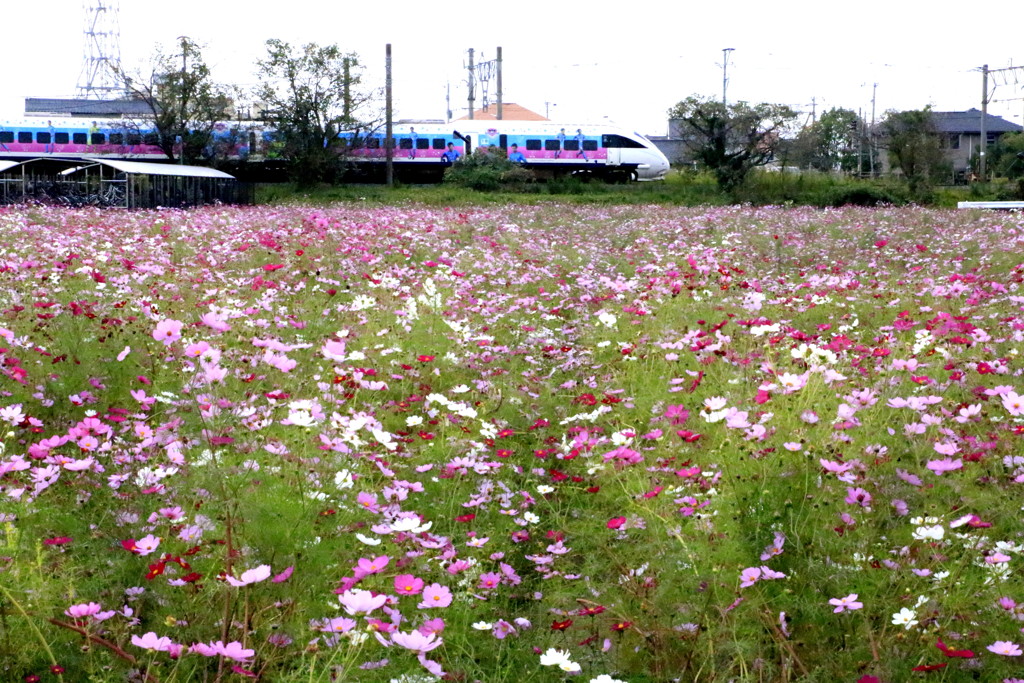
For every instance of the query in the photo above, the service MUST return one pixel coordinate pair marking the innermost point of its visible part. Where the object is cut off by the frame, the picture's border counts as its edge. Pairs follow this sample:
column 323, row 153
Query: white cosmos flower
column 367, row 540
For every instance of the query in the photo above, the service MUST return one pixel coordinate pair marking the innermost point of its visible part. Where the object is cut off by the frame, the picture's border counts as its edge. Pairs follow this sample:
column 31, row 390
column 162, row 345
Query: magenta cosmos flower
column 407, row 584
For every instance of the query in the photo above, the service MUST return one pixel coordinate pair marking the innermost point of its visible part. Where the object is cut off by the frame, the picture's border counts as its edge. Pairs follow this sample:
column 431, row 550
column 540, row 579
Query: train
column 420, row 148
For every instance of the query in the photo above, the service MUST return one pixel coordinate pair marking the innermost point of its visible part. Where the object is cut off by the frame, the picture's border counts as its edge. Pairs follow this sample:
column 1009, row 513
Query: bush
column 487, row 170
column 863, row 195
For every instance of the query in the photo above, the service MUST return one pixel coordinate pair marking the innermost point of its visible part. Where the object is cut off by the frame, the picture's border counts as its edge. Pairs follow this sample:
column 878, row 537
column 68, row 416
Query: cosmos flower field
column 526, row 443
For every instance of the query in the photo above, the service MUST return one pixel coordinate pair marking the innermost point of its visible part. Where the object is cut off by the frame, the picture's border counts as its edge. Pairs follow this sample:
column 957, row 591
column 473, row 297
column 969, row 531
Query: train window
column 620, row 141
column 60, row 138
column 423, row 143
column 24, row 138
column 438, row 143
column 534, row 145
column 134, row 139
column 590, row 145
column 6, row 136
column 405, row 143
column 80, row 138
column 117, row 138
column 551, row 145
column 151, row 139
column 98, row 138
column 572, row 145
column 43, row 138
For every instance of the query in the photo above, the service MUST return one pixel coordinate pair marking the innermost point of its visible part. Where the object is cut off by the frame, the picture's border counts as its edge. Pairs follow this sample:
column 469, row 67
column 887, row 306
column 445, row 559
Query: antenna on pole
column 102, row 55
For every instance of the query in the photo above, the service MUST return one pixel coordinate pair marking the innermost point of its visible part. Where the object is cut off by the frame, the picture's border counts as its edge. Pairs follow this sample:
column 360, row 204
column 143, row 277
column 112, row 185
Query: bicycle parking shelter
column 117, row 183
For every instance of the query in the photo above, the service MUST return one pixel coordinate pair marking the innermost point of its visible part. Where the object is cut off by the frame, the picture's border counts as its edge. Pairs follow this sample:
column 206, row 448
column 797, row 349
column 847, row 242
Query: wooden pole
column 388, row 139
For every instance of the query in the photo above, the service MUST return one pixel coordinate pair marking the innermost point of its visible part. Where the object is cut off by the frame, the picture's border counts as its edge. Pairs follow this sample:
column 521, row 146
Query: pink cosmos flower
column 151, row 641
column 435, row 595
column 146, row 545
column 214, row 322
column 416, row 641
column 858, row 496
column 775, row 548
column 254, row 575
column 334, row 350
column 1005, row 647
column 749, row 576
column 357, row 601
column 367, row 566
column 86, row 609
column 946, row 448
column 848, row 603
column 407, row 584
column 167, row 331
column 940, row 467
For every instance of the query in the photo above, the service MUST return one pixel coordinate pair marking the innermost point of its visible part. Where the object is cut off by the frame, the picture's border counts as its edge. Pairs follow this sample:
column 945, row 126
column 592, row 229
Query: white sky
column 628, row 62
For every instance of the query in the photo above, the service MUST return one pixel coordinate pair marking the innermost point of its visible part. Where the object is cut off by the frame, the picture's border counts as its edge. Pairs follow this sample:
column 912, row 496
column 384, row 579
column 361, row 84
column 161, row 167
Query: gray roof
column 970, row 122
column 75, row 107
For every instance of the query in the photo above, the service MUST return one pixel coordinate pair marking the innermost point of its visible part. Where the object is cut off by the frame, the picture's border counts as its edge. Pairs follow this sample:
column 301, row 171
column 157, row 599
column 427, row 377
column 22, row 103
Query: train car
column 550, row 149
column 39, row 137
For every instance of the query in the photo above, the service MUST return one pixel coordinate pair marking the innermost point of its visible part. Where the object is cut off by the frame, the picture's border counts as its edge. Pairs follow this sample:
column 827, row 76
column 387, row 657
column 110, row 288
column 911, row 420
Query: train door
column 613, row 151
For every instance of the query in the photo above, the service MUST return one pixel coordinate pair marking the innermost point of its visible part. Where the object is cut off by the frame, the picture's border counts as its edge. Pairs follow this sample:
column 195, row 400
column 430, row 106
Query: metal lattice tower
column 102, row 51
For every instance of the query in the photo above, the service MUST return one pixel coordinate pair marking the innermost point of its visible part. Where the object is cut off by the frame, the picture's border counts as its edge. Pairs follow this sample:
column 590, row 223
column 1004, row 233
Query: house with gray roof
column 960, row 134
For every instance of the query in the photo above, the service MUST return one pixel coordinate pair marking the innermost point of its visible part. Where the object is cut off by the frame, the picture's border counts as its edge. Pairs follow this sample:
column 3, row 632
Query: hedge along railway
column 647, row 444
column 548, row 149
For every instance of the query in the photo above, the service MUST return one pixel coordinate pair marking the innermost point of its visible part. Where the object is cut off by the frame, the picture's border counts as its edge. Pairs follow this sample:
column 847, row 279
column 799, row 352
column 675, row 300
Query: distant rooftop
column 510, row 111
column 47, row 106
column 970, row 122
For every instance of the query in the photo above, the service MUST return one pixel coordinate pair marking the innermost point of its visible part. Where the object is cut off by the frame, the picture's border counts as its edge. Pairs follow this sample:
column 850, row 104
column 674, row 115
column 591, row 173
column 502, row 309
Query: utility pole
column 471, row 84
column 984, row 115
column 871, row 131
column 499, row 83
column 389, row 140
column 725, row 69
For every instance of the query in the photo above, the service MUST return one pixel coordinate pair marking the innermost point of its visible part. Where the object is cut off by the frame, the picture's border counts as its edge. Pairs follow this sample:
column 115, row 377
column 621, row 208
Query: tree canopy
column 832, row 143
column 310, row 94
column 914, row 146
column 184, row 103
column 731, row 139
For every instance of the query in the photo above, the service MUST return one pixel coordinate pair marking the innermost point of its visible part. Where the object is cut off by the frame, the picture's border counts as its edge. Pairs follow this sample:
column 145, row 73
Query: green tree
column 731, row 139
column 914, row 147
column 1007, row 156
column 832, row 143
column 312, row 93
column 184, row 104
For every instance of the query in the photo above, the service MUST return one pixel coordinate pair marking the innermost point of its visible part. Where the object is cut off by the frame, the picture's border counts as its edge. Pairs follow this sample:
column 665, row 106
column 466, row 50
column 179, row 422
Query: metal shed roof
column 132, row 167
column 149, row 168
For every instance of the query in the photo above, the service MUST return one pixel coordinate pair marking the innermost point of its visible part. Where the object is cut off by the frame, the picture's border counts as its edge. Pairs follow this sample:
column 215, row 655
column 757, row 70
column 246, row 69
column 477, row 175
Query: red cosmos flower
column 616, row 522
column 270, row 267
column 561, row 625
column 469, row 517
column 503, row 453
column 950, row 652
column 505, row 433
column 591, row 611
column 881, row 243
column 423, row 358
column 57, row 540
column 57, row 669
column 930, row 667
column 621, row 626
